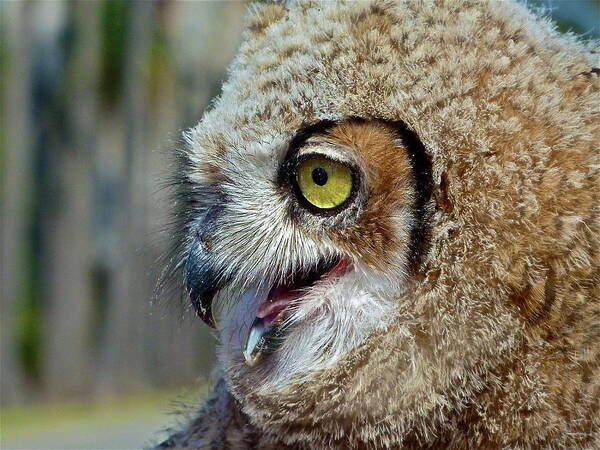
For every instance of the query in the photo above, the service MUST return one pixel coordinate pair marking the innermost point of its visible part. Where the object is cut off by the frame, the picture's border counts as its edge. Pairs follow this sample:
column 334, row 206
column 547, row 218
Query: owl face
column 297, row 255
column 371, row 278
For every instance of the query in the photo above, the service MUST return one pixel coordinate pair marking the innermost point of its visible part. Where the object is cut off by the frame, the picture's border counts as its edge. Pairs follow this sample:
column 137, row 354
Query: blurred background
column 94, row 97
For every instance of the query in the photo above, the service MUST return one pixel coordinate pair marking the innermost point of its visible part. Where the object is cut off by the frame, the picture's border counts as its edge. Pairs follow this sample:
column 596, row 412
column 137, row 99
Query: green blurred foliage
column 28, row 332
column 115, row 19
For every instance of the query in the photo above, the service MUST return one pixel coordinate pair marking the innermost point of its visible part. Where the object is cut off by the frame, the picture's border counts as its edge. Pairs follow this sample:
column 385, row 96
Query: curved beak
column 202, row 281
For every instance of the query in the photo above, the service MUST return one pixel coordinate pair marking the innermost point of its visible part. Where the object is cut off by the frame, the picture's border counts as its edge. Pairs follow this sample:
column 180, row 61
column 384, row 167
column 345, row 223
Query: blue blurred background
column 94, row 97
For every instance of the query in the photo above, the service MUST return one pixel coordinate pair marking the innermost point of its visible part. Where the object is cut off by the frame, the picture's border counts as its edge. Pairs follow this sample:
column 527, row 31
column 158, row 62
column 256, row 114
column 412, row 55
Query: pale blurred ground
column 118, row 423
column 94, row 96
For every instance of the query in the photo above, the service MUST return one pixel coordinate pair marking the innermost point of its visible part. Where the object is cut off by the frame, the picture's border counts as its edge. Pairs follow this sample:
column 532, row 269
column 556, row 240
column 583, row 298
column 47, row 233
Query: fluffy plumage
column 471, row 317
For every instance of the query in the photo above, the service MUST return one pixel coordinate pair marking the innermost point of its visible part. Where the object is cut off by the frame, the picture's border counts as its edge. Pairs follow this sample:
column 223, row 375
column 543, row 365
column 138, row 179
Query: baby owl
column 391, row 221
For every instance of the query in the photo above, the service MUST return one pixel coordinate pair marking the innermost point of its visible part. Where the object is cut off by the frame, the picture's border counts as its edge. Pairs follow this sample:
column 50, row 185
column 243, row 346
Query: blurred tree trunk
column 15, row 152
column 178, row 335
column 124, row 351
column 68, row 361
column 191, row 75
column 162, row 135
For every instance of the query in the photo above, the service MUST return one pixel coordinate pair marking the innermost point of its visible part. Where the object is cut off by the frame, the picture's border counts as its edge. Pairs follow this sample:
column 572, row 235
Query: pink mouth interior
column 282, row 296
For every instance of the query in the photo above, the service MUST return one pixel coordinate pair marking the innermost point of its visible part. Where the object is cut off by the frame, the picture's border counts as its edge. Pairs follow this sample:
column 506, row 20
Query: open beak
column 269, row 326
column 203, row 280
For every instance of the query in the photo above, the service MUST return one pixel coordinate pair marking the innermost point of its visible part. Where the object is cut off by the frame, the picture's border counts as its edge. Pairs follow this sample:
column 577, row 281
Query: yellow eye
column 324, row 183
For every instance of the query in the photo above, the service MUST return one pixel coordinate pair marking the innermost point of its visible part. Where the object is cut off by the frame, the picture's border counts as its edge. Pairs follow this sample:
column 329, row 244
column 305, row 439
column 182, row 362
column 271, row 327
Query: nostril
column 203, row 239
column 206, row 227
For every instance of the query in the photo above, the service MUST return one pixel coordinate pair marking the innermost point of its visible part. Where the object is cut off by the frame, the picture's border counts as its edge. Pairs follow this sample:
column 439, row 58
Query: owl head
column 391, row 211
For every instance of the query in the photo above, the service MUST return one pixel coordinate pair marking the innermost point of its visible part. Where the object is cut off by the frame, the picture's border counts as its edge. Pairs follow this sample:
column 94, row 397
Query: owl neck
column 362, row 404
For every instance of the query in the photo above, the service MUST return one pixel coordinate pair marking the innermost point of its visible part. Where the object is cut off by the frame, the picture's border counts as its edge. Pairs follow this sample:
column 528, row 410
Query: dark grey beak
column 202, row 281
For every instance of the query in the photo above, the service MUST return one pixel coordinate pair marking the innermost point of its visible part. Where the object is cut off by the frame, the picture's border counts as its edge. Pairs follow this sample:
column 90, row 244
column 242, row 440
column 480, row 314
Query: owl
column 391, row 221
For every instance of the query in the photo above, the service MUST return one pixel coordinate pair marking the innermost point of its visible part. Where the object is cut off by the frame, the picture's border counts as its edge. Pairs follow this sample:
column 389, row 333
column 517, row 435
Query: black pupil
column 319, row 176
